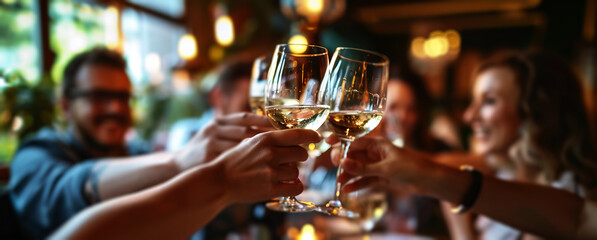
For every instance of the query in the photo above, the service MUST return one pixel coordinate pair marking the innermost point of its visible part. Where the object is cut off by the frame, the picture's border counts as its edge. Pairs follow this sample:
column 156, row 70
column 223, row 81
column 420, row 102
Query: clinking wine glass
column 356, row 93
column 292, row 99
column 258, row 82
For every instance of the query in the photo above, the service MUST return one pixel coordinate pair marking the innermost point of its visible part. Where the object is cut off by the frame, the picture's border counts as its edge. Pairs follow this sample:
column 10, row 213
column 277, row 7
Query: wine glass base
column 337, row 211
column 290, row 205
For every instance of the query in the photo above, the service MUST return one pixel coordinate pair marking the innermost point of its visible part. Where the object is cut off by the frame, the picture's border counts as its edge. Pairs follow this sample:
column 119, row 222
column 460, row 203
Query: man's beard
column 101, row 148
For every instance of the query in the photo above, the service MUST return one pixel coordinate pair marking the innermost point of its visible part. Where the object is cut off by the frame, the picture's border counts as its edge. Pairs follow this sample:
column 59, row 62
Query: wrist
column 472, row 191
column 217, row 172
column 202, row 185
column 445, row 183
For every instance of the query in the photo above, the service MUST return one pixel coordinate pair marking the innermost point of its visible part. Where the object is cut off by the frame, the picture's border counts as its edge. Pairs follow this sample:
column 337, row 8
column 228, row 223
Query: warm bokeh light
column 453, row 39
column 298, row 39
column 417, row 47
column 187, row 47
column 437, row 45
column 153, row 63
column 292, row 233
column 224, row 30
column 436, row 34
column 314, row 6
column 111, row 33
column 181, row 80
column 307, row 233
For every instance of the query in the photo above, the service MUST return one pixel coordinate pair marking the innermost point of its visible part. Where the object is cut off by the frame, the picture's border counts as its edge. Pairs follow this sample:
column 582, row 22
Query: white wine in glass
column 257, row 105
column 356, row 94
column 351, row 124
column 291, row 99
column 297, row 116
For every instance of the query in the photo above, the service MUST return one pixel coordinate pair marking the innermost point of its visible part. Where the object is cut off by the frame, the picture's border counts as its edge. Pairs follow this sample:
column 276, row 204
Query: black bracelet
column 472, row 193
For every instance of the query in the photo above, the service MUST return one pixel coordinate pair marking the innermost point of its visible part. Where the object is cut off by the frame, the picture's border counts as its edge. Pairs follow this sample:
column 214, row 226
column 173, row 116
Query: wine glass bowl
column 258, row 82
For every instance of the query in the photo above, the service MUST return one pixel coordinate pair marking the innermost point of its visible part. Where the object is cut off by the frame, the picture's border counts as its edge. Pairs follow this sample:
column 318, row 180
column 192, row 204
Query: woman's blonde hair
column 555, row 131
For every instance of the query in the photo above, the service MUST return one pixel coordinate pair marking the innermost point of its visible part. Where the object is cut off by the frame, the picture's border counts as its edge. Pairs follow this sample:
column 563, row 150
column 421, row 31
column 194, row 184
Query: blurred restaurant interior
column 174, row 50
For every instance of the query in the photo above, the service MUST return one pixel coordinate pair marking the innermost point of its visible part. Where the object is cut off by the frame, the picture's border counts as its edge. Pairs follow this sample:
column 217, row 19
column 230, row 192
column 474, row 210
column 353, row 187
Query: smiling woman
column 493, row 114
column 528, row 110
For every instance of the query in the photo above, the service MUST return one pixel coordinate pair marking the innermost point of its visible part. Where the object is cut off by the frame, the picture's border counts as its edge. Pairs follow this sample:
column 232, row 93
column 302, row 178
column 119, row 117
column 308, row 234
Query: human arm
column 539, row 210
column 114, row 177
column 460, row 226
column 255, row 170
column 50, row 182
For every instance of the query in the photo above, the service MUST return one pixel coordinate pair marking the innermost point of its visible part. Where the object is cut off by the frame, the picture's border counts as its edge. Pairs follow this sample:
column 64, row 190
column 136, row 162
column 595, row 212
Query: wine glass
column 356, row 94
column 291, row 98
column 370, row 204
column 258, row 81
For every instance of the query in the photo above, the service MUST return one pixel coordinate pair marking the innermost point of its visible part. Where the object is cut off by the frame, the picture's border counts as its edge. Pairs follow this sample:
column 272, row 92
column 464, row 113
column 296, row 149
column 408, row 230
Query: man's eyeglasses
column 102, row 96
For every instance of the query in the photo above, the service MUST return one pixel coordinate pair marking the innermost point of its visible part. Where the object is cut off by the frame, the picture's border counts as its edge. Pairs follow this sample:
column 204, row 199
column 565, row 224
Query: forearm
column 173, row 210
column 115, row 177
column 536, row 209
column 459, row 225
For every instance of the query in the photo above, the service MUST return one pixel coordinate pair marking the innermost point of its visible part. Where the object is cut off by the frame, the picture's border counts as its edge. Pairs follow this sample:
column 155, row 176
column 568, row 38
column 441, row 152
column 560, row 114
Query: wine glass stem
column 345, row 144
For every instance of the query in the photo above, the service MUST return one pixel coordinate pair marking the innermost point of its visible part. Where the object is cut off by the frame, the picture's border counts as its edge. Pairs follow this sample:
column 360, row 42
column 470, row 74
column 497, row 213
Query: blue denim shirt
column 48, row 174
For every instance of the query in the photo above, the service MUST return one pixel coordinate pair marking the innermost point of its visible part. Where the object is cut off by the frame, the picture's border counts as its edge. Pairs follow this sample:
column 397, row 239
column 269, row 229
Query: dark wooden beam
column 47, row 56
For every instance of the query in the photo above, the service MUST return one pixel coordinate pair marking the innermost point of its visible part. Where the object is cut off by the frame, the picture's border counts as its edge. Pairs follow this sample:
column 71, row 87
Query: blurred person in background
column 56, row 174
column 230, row 94
column 406, row 123
column 530, row 124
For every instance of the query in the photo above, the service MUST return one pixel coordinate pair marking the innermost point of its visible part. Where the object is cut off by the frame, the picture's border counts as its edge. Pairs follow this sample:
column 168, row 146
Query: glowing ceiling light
column 224, row 30
column 187, row 47
column 435, row 46
column 314, row 6
column 298, row 39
